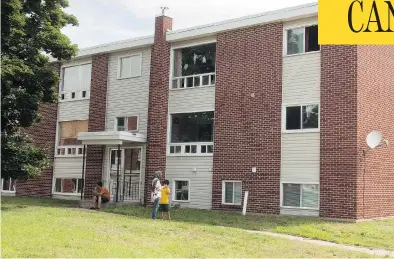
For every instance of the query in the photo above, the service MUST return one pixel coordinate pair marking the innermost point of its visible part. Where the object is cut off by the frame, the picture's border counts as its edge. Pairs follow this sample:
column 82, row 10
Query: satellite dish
column 374, row 138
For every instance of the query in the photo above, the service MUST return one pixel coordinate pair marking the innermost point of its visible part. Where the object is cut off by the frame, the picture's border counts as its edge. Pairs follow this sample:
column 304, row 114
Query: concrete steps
column 87, row 204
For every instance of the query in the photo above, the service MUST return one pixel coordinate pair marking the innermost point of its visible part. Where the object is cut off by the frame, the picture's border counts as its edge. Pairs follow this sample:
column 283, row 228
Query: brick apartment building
column 246, row 104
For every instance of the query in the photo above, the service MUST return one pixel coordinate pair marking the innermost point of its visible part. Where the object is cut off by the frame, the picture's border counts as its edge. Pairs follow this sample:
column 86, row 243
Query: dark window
column 83, row 94
column 311, row 39
column 121, row 124
column 192, row 127
column 58, row 185
column 181, row 190
column 195, row 60
column 291, row 195
column 293, row 117
column 62, row 96
column 72, row 95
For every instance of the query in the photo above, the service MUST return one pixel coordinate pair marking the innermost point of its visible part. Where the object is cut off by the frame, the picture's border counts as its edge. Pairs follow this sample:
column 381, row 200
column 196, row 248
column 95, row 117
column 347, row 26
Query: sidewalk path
column 378, row 252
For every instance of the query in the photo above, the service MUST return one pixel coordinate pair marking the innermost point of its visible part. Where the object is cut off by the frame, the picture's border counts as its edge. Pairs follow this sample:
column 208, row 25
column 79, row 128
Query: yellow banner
column 356, row 22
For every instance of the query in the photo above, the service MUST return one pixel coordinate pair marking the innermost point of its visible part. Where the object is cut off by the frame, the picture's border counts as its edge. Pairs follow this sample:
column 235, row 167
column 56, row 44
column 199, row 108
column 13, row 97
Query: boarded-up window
column 68, row 131
column 132, row 123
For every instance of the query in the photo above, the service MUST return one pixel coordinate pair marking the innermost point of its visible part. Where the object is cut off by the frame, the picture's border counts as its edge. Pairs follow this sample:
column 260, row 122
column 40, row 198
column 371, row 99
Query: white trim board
column 286, row 14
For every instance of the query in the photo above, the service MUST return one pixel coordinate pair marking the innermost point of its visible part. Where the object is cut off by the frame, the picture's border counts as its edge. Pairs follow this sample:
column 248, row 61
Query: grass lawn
column 48, row 228
column 371, row 234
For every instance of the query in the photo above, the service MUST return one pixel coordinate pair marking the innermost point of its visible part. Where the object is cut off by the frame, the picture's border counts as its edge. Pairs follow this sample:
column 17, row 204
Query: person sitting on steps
column 101, row 194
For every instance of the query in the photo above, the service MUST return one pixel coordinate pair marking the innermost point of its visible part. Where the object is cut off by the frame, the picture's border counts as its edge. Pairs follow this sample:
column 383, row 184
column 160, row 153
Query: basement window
column 302, row 40
column 68, row 185
column 300, row 195
column 232, row 192
column 7, row 185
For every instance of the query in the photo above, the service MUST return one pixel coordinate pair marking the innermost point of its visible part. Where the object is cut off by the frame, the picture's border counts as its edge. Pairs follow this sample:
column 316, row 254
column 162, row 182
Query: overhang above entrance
column 110, row 138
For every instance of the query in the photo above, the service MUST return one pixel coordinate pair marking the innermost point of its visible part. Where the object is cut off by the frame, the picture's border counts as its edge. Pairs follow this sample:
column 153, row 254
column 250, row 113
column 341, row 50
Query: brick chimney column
column 158, row 102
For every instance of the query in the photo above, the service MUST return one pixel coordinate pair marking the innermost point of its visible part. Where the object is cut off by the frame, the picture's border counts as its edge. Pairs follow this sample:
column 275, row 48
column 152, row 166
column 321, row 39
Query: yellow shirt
column 164, row 195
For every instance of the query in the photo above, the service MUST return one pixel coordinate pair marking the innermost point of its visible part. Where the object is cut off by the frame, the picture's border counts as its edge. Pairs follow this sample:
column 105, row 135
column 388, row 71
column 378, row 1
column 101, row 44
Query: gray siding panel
column 73, row 110
column 300, row 157
column 67, row 167
column 299, row 212
column 130, row 96
column 192, row 100
column 200, row 182
column 301, row 78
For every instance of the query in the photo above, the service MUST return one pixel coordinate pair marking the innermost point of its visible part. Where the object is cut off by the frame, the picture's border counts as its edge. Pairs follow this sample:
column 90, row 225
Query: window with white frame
column 191, row 133
column 194, row 66
column 302, row 117
column 75, row 81
column 8, row 185
column 68, row 185
column 130, row 66
column 181, row 190
column 300, row 195
column 126, row 123
column 302, row 40
column 232, row 192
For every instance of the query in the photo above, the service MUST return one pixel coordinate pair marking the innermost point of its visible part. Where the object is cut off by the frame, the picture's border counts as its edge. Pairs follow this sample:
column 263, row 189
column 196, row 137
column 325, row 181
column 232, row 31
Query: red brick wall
column 43, row 135
column 97, row 112
column 376, row 112
column 158, row 102
column 338, row 132
column 248, row 129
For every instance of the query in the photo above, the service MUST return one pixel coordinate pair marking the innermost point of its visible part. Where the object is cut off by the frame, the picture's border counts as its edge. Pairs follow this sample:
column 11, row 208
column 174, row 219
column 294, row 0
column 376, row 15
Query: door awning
column 110, row 138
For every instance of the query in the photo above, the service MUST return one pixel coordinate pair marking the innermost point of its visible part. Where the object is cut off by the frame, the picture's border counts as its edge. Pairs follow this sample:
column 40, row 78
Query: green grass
column 371, row 234
column 48, row 228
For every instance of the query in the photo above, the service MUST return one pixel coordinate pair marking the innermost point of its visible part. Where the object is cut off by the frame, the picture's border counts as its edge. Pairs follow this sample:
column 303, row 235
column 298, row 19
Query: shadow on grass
column 225, row 219
column 16, row 203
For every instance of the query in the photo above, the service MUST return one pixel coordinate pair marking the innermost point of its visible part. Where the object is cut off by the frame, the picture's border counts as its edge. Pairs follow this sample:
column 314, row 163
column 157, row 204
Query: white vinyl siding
column 200, row 195
column 70, row 111
column 192, row 100
column 300, row 157
column 299, row 212
column 129, row 96
column 300, row 149
column 301, row 78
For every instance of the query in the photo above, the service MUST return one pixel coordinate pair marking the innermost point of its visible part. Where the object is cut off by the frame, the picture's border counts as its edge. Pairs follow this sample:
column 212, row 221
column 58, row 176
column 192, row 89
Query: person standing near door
column 156, row 192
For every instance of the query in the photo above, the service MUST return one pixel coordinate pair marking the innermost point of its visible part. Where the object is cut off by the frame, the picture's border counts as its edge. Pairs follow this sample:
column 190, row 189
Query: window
column 130, row 66
column 68, row 132
column 8, row 185
column 76, row 78
column 192, row 61
column 301, row 195
column 68, row 185
column 232, row 192
column 114, row 158
column 127, row 123
column 300, row 40
column 181, row 192
column 192, row 127
column 302, row 117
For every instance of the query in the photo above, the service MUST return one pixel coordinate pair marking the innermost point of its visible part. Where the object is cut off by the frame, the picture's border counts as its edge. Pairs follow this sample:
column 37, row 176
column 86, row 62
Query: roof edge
column 289, row 13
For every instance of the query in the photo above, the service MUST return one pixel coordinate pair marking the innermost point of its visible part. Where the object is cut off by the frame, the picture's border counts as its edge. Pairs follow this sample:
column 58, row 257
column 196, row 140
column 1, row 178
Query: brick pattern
column 338, row 132
column 375, row 112
column 43, row 135
column 248, row 115
column 97, row 111
column 158, row 103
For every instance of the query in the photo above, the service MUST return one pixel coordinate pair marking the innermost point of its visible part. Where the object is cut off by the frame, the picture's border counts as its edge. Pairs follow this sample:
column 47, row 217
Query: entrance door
column 129, row 179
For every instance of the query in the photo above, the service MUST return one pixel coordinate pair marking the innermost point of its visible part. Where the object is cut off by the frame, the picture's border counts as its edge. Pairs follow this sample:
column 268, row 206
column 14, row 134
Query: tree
column 30, row 33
